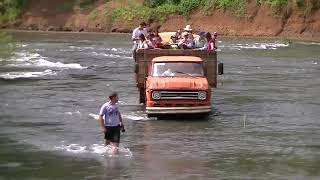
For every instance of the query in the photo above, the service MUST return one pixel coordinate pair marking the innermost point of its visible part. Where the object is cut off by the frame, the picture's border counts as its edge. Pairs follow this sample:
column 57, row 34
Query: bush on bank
column 160, row 9
column 10, row 9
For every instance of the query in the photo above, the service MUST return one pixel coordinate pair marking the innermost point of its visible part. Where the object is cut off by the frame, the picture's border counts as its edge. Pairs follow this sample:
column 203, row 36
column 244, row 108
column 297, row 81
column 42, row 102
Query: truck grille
column 179, row 94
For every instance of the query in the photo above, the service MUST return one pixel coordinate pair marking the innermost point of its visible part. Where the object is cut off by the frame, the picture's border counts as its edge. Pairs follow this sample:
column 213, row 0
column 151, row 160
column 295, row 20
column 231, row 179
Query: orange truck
column 176, row 81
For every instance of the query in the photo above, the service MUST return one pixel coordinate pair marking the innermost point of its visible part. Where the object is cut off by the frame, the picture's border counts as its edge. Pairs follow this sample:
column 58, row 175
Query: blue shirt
column 110, row 113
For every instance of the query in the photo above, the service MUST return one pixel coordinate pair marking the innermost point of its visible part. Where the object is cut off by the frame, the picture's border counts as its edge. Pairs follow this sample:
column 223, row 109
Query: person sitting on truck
column 157, row 40
column 174, row 42
column 143, row 44
column 210, row 45
column 200, row 43
column 150, row 40
column 189, row 30
column 182, row 42
column 178, row 34
column 136, row 33
column 149, row 35
column 186, row 42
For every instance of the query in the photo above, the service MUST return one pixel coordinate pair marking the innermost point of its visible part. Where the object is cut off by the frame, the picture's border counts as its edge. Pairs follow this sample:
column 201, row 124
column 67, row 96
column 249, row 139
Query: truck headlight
column 156, row 95
column 202, row 95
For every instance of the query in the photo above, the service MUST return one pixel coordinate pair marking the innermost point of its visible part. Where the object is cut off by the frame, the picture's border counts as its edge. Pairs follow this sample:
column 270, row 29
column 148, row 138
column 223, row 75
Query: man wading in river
column 111, row 121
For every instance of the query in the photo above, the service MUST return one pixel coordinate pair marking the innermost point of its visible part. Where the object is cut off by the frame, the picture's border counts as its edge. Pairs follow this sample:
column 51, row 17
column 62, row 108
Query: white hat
column 188, row 28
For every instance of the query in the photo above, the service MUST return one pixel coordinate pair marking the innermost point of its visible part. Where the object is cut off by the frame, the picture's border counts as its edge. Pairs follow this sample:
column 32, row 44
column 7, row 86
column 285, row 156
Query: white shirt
column 111, row 114
column 200, row 43
column 143, row 45
column 136, row 32
column 168, row 72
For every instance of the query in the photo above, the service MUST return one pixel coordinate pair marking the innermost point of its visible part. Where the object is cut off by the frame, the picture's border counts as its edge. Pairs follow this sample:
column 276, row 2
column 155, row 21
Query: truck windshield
column 177, row 69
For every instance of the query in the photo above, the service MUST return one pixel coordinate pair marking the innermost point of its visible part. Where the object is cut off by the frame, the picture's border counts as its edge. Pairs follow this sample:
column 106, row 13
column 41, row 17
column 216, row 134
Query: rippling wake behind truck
column 176, row 81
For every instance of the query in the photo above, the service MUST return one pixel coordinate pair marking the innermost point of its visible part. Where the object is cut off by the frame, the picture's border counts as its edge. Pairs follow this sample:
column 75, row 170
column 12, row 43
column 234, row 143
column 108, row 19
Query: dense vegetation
column 10, row 9
column 160, row 9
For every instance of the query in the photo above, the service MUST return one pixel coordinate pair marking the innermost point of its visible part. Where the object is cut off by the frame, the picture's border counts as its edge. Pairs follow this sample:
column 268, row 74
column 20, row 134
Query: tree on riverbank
column 10, row 9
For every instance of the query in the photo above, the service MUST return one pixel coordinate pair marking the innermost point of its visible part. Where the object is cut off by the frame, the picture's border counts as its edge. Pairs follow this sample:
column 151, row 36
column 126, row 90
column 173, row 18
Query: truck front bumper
column 178, row 110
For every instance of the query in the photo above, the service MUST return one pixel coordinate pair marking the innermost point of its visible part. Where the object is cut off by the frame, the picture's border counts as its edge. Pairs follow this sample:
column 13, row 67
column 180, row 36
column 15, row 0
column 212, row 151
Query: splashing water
column 15, row 75
column 98, row 149
column 133, row 117
column 94, row 116
column 26, row 59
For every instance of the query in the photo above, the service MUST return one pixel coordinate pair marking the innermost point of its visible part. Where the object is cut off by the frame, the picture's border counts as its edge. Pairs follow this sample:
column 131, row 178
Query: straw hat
column 188, row 28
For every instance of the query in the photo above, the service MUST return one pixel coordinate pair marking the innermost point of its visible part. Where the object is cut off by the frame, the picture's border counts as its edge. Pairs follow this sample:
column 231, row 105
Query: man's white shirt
column 136, row 32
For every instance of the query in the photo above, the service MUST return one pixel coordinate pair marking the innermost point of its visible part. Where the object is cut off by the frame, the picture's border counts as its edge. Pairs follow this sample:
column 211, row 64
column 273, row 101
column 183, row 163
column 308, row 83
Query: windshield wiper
column 182, row 73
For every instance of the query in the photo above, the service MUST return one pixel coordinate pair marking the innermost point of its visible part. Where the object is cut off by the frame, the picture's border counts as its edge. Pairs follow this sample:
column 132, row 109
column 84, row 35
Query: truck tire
column 142, row 95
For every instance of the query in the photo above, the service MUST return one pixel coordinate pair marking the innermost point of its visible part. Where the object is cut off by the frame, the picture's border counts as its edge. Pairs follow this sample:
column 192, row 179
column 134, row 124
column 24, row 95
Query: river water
column 265, row 121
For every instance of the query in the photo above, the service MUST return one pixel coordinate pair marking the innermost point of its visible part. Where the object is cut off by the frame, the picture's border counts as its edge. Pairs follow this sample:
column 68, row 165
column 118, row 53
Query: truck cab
column 177, row 85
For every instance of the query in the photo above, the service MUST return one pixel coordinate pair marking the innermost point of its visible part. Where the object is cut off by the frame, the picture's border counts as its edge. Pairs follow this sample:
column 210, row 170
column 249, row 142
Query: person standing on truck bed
column 214, row 39
column 111, row 121
column 210, row 40
column 136, row 33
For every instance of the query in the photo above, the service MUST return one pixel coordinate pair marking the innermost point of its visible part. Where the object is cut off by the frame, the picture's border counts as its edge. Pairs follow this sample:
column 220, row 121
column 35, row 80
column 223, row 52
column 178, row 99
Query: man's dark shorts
column 112, row 134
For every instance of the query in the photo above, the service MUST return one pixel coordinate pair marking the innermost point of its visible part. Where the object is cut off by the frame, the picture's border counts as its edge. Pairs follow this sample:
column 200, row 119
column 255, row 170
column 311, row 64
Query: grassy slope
column 288, row 18
column 159, row 9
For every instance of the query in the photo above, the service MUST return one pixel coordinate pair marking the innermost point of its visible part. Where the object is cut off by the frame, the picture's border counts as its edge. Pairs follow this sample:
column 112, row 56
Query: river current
column 265, row 121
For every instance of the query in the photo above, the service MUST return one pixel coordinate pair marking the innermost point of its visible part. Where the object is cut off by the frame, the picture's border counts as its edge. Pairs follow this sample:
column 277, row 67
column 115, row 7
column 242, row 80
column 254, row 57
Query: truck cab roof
column 177, row 59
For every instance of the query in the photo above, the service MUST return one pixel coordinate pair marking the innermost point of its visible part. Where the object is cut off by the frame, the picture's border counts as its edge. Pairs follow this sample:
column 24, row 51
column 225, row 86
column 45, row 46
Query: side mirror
column 220, row 68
